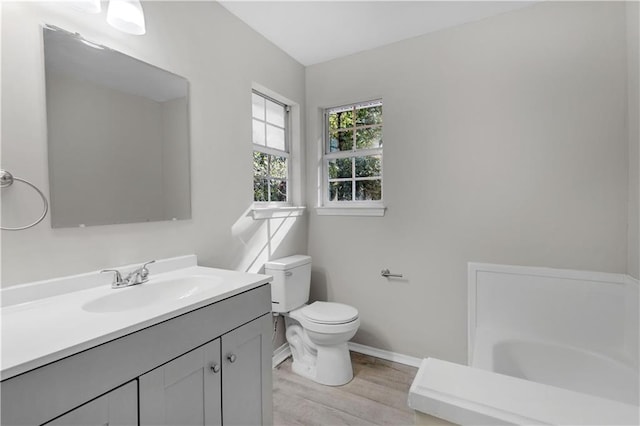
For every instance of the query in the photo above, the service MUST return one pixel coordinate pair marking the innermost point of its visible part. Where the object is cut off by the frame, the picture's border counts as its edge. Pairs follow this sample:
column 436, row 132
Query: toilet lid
column 329, row 313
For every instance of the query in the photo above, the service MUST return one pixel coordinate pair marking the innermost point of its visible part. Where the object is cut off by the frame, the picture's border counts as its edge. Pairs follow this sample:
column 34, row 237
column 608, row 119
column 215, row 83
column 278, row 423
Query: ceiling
column 317, row 31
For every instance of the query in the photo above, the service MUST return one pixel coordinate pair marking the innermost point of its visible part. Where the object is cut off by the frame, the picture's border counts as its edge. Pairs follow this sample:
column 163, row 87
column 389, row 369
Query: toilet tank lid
column 288, row 262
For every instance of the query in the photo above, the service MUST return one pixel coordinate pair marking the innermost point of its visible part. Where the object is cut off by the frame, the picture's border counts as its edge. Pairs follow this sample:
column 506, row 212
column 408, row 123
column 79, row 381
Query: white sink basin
column 152, row 293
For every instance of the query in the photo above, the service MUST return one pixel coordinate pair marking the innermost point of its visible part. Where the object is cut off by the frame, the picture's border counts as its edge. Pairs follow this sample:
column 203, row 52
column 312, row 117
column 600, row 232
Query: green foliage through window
column 269, row 177
column 354, row 152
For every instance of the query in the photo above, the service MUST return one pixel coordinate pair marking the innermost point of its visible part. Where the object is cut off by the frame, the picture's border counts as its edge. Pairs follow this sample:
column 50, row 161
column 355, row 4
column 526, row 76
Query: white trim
column 357, row 105
column 388, row 355
column 284, row 352
column 351, row 211
column 280, row 354
column 609, row 277
column 277, row 212
column 271, row 151
column 368, row 152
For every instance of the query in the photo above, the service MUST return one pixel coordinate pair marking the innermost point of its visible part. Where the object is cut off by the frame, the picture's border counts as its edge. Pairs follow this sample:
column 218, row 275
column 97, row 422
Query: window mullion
column 339, row 154
column 353, row 178
column 353, row 151
column 264, row 117
column 354, row 196
column 368, row 126
column 269, row 178
column 270, row 151
column 287, row 136
column 266, row 140
column 369, row 151
column 358, row 153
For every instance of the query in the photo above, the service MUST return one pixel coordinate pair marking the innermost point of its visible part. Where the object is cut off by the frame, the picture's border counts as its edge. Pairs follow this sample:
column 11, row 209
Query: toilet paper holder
column 387, row 274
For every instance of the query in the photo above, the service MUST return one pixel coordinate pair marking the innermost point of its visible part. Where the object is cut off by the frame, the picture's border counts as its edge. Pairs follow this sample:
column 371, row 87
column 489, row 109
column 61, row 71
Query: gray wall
column 222, row 58
column 633, row 89
column 504, row 141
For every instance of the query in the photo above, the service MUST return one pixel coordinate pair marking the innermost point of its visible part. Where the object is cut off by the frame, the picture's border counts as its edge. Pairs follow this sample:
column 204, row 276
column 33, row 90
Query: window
column 353, row 154
column 270, row 149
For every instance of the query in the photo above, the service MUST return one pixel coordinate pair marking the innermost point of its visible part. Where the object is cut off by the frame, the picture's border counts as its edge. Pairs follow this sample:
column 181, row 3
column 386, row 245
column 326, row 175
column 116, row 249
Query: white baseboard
column 284, row 352
column 280, row 354
column 388, row 355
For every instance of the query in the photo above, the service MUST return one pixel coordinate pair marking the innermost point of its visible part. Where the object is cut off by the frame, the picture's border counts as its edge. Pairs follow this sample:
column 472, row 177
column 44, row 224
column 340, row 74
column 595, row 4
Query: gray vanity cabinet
column 116, row 408
column 189, row 390
column 185, row 391
column 209, row 366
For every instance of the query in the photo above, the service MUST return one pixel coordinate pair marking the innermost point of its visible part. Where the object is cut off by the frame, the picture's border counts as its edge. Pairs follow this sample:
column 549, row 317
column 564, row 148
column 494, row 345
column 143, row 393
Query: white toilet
column 317, row 333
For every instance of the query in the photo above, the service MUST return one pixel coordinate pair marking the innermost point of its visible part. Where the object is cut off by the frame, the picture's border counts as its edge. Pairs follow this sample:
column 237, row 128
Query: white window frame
column 350, row 207
column 272, row 151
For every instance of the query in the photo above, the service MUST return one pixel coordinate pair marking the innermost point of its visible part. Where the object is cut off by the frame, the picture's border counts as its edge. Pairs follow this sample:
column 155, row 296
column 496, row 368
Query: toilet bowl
column 318, row 333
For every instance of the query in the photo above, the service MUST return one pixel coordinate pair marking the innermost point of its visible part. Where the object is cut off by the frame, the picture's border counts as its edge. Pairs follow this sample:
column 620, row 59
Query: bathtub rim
column 493, row 398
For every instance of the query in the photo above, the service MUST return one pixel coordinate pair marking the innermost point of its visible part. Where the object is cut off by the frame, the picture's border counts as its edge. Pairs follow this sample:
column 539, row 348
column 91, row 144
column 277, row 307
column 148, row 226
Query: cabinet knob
column 215, row 367
column 231, row 358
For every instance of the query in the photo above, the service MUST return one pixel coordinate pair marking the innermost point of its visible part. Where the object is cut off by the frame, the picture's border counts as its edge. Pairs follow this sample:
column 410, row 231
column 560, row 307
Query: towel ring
column 6, row 180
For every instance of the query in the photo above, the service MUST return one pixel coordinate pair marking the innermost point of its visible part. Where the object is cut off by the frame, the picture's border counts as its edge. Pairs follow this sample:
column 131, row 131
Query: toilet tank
column 291, row 282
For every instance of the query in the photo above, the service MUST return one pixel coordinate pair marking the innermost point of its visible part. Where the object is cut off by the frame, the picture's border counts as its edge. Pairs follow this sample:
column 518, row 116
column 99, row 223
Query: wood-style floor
column 377, row 395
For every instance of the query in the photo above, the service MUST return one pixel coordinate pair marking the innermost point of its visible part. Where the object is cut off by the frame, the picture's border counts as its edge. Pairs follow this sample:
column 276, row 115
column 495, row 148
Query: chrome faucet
column 135, row 277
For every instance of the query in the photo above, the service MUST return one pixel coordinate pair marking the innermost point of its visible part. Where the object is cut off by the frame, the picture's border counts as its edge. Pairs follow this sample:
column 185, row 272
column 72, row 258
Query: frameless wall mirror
column 118, row 136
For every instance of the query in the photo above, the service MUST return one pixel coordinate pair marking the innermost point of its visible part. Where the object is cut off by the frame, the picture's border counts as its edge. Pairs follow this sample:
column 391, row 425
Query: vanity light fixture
column 126, row 16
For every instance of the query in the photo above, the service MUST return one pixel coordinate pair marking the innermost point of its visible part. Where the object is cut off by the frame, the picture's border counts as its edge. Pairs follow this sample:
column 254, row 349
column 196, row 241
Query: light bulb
column 126, row 16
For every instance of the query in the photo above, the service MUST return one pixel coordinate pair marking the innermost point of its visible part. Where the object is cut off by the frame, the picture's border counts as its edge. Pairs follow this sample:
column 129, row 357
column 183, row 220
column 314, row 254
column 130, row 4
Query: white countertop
column 40, row 331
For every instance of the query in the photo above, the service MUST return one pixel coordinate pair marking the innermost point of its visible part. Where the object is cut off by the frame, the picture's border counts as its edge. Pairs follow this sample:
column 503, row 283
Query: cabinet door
column 185, row 391
column 116, row 408
column 246, row 382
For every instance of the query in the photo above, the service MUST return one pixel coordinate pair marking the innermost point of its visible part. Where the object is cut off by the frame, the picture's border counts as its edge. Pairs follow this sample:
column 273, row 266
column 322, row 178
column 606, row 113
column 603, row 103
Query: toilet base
column 334, row 365
column 332, row 368
column 325, row 364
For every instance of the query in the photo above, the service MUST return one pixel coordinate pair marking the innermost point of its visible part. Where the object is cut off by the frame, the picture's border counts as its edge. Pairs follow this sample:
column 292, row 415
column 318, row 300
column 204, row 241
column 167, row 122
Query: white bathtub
column 563, row 366
column 546, row 346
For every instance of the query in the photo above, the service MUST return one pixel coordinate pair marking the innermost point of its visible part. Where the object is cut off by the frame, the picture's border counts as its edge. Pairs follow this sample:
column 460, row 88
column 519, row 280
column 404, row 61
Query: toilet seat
column 329, row 313
column 333, row 325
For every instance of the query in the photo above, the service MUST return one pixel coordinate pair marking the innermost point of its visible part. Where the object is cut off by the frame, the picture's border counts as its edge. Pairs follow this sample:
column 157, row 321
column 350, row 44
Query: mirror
column 118, row 136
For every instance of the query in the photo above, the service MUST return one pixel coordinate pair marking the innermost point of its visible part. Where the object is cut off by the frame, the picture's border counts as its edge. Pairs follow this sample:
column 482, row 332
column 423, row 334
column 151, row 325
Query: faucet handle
column 117, row 278
column 144, row 272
